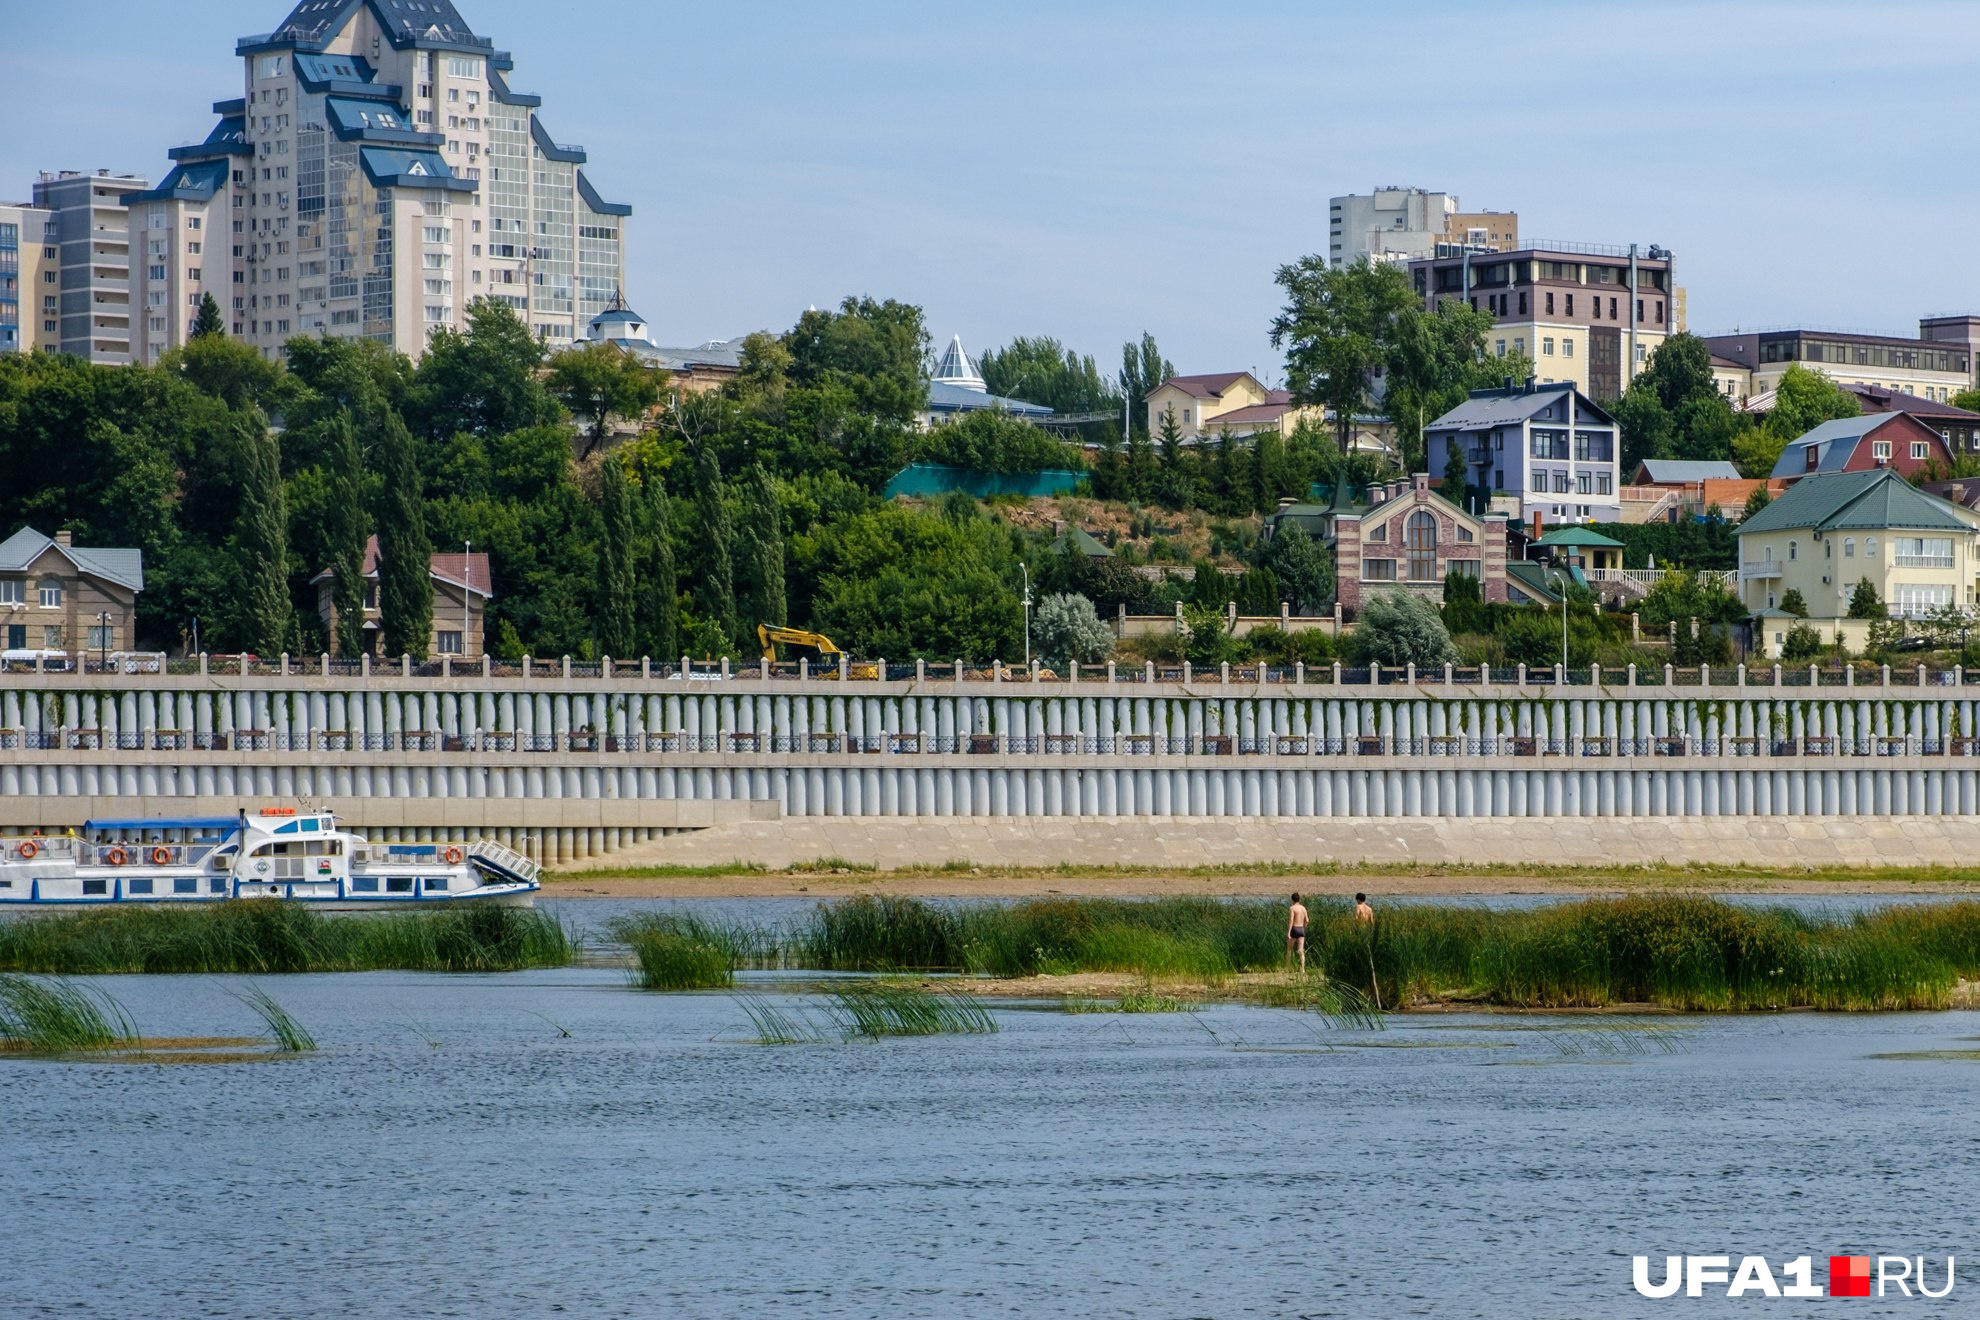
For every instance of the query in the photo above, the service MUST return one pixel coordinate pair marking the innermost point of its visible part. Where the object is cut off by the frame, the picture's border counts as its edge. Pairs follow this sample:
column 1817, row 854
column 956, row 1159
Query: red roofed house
column 462, row 588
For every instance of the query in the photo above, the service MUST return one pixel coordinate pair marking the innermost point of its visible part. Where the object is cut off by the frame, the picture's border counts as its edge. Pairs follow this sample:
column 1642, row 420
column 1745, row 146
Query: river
column 558, row 1143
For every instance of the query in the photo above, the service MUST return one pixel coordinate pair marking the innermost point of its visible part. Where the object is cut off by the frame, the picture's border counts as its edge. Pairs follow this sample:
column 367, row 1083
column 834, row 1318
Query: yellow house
column 1827, row 533
column 1236, row 401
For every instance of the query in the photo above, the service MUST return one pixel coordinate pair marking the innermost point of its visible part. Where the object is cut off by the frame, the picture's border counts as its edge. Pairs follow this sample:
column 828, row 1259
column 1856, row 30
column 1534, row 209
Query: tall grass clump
column 289, row 1035
column 874, row 933
column 877, row 1011
column 681, row 951
column 51, row 1016
column 258, row 936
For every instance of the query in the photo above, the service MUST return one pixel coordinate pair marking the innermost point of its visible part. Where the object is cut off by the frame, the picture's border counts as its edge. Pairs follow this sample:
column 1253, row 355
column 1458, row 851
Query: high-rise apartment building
column 30, row 280
column 377, row 176
column 1588, row 315
column 1402, row 224
column 93, row 261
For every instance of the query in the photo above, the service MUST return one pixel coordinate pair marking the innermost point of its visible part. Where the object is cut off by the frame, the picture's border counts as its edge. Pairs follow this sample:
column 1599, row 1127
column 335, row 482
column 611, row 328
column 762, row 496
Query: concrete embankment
column 1183, row 842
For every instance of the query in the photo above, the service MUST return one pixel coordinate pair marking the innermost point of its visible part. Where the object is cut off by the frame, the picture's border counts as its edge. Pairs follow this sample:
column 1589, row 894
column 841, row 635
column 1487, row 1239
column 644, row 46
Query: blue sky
column 1091, row 170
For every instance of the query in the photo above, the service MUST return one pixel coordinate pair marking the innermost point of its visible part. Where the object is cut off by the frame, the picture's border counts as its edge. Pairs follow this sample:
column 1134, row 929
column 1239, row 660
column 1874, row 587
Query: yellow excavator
column 827, row 649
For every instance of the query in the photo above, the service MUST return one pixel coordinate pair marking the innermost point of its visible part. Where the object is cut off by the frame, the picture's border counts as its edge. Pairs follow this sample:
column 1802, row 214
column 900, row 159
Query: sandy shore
column 995, row 884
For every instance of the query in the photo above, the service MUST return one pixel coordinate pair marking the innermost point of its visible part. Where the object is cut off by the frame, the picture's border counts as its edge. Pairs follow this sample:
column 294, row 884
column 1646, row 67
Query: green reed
column 876, row 1011
column 289, row 1035
column 40, row 1015
column 258, row 936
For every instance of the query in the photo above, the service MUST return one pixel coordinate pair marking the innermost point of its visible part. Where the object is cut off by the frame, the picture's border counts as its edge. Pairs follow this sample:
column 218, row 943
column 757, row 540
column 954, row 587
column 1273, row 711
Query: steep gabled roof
column 467, row 571
column 1867, row 501
column 1502, row 408
column 1211, row 386
column 405, row 22
column 123, row 567
column 1835, row 441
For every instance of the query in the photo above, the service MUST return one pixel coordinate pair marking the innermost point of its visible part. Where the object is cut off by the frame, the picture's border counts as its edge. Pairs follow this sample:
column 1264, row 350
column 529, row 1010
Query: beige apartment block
column 1749, row 365
column 375, row 178
column 30, row 276
column 1588, row 315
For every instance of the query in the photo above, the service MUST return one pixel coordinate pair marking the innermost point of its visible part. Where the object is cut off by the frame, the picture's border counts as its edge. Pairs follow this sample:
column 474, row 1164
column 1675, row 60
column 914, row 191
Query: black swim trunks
column 1296, row 933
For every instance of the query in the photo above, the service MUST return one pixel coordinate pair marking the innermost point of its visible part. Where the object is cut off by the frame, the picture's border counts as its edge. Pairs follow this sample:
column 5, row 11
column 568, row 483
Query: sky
column 1093, row 169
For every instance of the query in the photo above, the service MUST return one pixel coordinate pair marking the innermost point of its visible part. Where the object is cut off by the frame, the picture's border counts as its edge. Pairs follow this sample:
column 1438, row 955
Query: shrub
column 1397, row 628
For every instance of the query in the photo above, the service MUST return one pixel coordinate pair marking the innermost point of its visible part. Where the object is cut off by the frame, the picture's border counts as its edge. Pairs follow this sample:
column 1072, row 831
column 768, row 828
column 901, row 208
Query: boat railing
column 24, row 848
column 125, row 852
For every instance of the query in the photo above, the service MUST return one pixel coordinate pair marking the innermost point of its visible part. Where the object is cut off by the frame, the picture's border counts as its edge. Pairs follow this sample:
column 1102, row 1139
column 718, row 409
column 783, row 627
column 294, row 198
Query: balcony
column 1764, row 570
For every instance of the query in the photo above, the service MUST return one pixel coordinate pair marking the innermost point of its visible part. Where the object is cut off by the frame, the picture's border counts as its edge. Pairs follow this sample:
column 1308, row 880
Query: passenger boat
column 274, row 852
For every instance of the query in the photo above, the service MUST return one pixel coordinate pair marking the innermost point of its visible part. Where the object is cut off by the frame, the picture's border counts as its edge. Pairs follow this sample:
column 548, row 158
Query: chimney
column 1537, row 532
column 1958, row 492
column 1530, row 382
column 64, row 537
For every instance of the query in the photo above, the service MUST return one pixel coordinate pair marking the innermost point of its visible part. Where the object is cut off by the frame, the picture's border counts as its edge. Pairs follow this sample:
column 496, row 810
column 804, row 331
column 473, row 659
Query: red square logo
column 1849, row 1276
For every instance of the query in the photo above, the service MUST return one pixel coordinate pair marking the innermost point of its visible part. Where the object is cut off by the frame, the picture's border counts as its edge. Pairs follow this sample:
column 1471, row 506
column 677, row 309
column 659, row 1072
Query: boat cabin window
column 398, row 884
column 6, row 884
column 137, row 886
column 185, row 884
column 364, row 884
column 91, row 887
column 438, row 882
column 216, row 886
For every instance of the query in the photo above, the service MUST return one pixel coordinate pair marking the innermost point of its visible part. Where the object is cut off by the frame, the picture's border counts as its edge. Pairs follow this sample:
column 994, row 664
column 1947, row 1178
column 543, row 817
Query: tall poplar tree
column 344, row 530
column 657, row 583
column 615, row 563
column 260, row 541
column 763, row 552
column 718, row 573
column 405, row 555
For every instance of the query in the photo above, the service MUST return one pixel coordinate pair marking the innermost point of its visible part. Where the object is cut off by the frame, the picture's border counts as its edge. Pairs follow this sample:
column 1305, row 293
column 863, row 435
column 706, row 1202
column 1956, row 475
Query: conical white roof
column 955, row 368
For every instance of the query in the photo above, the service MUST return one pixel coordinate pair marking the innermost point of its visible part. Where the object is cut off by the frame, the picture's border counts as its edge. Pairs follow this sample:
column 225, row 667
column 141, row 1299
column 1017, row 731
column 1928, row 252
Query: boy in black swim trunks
column 1296, row 932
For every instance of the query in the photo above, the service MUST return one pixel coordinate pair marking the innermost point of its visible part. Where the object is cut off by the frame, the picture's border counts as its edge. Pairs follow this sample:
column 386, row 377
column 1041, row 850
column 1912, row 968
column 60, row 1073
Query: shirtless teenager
column 1296, row 932
column 1362, row 912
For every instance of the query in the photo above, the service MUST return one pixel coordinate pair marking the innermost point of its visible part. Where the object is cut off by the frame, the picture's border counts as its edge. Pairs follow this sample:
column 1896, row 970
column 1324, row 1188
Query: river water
column 556, row 1143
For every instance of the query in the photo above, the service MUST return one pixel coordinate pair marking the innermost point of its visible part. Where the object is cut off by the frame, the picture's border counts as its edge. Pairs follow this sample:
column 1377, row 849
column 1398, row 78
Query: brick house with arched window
column 1409, row 536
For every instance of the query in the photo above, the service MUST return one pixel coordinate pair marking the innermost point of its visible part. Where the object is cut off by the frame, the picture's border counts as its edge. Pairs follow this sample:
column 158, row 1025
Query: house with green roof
column 1829, row 532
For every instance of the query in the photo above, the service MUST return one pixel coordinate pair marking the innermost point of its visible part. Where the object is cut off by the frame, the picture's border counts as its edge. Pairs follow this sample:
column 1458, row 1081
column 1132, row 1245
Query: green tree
column 1042, row 370
column 1143, row 368
column 1792, row 603
column 1801, row 643
column 1067, row 628
column 598, row 382
column 762, row 552
column 1803, row 400
column 260, row 543
column 1673, row 409
column 405, row 555
column 1864, row 602
column 992, row 440
column 896, row 582
column 876, row 351
column 1437, row 359
column 344, row 536
column 227, row 369
column 716, row 592
column 208, row 322
column 1339, row 327
column 1141, row 476
column 1173, row 485
column 614, row 617
column 1400, row 628
column 484, row 382
column 1456, row 471
column 1303, row 567
column 658, row 608
column 1207, row 638
column 1464, row 604
column 1758, row 500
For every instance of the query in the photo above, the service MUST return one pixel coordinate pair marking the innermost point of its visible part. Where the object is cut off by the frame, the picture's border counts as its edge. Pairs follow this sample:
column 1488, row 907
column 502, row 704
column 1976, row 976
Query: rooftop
column 1870, row 501
column 123, row 567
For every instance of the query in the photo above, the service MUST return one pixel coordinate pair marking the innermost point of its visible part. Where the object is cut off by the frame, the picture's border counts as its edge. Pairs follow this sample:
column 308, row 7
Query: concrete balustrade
column 1015, row 748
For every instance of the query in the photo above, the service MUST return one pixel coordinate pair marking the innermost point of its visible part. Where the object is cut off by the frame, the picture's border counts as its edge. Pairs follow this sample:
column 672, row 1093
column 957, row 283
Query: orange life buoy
column 116, row 857
column 453, row 855
column 28, row 850
column 161, row 856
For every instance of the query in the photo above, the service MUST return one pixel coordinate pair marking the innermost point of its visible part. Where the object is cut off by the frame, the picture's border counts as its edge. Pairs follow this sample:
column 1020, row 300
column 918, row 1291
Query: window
column 138, row 885
column 1567, row 348
column 52, row 637
column 1378, row 570
column 1794, row 550
column 1380, row 533
column 1812, row 457
column 1519, row 346
column 1612, row 309
column 436, row 233
column 1421, row 538
column 1465, row 536
column 1881, row 449
column 1464, row 567
column 1869, row 547
column 1922, row 551
column 185, row 884
column 1920, row 450
column 102, row 637
column 364, row 884
column 1584, row 483
column 1561, row 482
column 1499, row 347
column 1916, row 599
column 450, row 642
column 398, row 884
column 51, row 593
column 1547, row 347
column 1849, row 547
column 12, row 592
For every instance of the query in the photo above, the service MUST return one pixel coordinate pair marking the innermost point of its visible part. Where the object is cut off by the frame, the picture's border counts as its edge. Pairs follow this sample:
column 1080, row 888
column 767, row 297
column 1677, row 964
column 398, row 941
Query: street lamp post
column 1563, row 580
column 102, row 640
column 467, row 591
column 1026, row 570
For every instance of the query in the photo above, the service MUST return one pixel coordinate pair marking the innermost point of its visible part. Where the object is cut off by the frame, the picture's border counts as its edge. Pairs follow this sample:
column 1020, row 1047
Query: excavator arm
column 769, row 637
